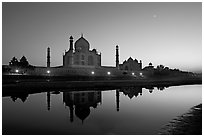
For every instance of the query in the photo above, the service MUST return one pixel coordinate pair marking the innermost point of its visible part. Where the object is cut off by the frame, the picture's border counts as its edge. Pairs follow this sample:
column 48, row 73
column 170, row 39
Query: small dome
column 94, row 50
column 70, row 37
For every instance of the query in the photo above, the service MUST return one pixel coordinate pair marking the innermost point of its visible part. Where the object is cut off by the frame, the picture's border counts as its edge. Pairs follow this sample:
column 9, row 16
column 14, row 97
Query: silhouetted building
column 79, row 60
column 81, row 55
column 81, row 101
column 131, row 65
column 149, row 68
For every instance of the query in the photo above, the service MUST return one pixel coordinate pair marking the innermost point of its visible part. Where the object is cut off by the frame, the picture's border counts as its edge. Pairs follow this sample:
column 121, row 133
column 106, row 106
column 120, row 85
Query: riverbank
column 189, row 123
column 109, row 84
column 33, row 84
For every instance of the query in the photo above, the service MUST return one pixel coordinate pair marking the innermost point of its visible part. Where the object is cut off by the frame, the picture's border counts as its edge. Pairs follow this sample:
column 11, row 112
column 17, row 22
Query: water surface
column 133, row 110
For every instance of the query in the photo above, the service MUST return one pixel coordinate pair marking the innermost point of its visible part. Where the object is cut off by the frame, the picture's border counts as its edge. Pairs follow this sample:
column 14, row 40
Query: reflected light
column 92, row 73
column 16, row 70
column 48, row 71
column 108, row 73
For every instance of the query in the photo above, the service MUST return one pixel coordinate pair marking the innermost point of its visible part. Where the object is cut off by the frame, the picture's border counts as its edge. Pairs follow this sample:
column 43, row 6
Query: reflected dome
column 82, row 112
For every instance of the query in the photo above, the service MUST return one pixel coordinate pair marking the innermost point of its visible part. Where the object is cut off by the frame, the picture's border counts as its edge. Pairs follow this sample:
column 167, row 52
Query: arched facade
column 81, row 55
column 131, row 65
column 90, row 60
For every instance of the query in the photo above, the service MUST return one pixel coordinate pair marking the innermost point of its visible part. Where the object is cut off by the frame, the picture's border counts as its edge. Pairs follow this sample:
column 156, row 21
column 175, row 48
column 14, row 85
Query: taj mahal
column 80, row 60
column 80, row 55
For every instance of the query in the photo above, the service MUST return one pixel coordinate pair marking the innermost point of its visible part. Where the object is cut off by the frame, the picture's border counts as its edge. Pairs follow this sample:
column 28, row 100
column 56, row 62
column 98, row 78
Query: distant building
column 80, row 55
column 131, row 65
column 149, row 68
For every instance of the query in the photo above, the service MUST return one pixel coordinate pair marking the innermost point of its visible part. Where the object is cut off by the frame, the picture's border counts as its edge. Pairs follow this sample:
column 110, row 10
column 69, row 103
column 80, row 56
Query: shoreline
column 38, row 87
column 98, row 84
column 189, row 123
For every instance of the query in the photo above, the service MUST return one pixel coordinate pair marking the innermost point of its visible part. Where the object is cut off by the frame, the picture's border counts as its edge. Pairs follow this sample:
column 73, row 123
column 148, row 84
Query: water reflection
column 150, row 88
column 22, row 96
column 81, row 102
column 48, row 101
column 85, row 97
column 127, row 110
column 117, row 100
column 131, row 91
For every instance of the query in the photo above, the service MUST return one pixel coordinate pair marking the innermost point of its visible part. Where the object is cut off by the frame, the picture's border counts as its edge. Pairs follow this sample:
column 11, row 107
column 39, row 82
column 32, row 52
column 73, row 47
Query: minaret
column 48, row 57
column 117, row 57
column 48, row 101
column 71, row 110
column 141, row 64
column 117, row 99
column 71, row 43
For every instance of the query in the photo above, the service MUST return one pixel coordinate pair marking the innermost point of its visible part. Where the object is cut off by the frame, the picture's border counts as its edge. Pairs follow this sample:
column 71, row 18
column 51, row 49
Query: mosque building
column 81, row 60
column 131, row 64
column 80, row 55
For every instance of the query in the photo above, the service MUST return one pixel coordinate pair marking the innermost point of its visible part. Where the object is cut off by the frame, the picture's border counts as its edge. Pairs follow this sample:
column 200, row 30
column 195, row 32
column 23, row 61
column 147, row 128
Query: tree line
column 23, row 63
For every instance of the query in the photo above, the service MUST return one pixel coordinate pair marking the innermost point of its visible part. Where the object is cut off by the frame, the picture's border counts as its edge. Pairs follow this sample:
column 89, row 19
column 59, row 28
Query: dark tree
column 161, row 71
column 14, row 62
column 160, row 67
column 24, row 62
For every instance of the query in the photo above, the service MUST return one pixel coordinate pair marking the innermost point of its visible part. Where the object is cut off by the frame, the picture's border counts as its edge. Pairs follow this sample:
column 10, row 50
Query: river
column 125, row 111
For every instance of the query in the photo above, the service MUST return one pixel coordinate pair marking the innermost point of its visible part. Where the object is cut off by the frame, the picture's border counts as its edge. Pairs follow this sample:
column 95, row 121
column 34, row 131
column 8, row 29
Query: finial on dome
column 82, row 35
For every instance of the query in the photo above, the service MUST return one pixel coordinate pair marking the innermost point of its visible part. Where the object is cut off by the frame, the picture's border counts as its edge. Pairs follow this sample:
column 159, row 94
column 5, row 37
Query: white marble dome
column 82, row 45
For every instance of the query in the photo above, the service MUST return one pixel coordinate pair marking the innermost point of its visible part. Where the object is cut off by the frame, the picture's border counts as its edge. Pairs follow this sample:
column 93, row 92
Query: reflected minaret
column 117, row 99
column 71, row 109
column 117, row 57
column 48, row 101
column 48, row 57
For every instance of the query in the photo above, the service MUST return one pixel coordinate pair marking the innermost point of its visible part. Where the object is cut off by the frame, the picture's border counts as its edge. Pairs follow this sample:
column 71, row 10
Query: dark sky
column 161, row 33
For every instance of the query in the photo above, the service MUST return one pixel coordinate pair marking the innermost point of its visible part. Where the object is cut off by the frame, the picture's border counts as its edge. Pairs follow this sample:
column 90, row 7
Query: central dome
column 82, row 44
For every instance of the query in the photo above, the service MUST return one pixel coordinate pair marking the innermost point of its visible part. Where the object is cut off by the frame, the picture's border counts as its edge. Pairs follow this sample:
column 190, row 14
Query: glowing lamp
column 48, row 71
column 92, row 73
column 108, row 73
column 16, row 70
column 133, row 73
column 140, row 73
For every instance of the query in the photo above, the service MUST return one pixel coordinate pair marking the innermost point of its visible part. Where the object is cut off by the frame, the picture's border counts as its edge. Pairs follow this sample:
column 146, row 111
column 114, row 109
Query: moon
column 155, row 15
